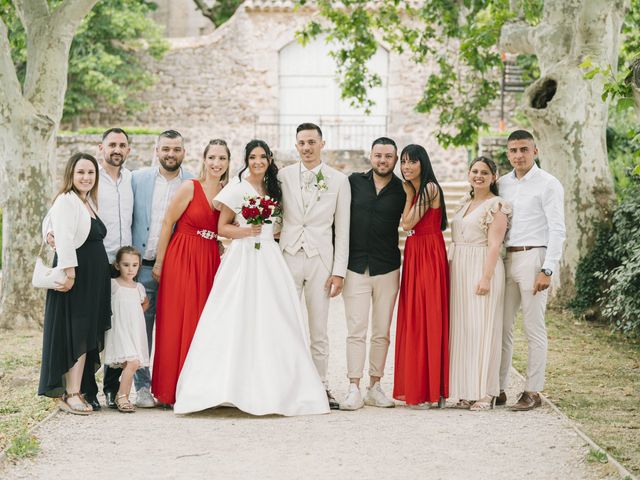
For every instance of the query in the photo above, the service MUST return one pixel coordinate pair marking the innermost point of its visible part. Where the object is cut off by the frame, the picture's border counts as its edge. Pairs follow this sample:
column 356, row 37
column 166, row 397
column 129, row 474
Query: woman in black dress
column 79, row 311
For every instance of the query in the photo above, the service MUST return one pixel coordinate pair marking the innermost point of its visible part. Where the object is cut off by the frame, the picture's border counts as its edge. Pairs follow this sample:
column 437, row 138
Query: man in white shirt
column 534, row 247
column 115, row 208
column 153, row 190
column 115, row 195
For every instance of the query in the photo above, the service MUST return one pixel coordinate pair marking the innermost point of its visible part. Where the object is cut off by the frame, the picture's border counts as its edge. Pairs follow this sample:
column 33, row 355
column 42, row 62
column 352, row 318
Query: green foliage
column 589, row 285
column 0, row 239
column 618, row 81
column 623, row 147
column 106, row 67
column 608, row 278
column 220, row 11
column 458, row 38
column 23, row 445
column 620, row 301
column 597, row 456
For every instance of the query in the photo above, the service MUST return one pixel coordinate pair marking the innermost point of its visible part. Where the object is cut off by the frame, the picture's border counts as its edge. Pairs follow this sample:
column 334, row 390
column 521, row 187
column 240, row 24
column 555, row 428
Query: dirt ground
column 369, row 443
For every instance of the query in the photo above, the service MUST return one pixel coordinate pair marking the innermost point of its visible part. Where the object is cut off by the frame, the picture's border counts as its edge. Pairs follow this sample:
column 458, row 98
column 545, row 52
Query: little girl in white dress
column 126, row 341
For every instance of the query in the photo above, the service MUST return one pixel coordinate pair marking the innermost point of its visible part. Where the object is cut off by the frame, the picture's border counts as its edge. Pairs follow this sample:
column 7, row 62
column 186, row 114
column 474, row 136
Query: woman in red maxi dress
column 185, row 269
column 421, row 372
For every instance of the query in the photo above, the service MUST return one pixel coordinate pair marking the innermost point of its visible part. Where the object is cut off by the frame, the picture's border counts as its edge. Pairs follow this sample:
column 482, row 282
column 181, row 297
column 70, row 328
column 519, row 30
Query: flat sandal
column 481, row 405
column 463, row 405
column 124, row 406
column 65, row 406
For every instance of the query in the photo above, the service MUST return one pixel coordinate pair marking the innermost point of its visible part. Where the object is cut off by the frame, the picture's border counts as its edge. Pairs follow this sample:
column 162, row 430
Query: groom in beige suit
column 315, row 236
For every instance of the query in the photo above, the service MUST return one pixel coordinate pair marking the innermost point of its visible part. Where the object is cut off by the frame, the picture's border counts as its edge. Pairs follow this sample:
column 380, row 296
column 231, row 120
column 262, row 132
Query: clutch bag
column 47, row 277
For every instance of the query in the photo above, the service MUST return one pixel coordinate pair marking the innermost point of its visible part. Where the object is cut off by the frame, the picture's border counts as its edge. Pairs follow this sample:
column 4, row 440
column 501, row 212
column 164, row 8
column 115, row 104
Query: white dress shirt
column 163, row 192
column 308, row 181
column 115, row 204
column 538, row 212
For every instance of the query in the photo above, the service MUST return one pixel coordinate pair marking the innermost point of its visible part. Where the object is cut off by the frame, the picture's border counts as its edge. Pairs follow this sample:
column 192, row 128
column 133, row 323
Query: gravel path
column 369, row 443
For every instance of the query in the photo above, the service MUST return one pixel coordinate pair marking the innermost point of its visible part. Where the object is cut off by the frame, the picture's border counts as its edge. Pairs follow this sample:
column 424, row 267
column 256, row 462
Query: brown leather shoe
column 527, row 401
column 501, row 400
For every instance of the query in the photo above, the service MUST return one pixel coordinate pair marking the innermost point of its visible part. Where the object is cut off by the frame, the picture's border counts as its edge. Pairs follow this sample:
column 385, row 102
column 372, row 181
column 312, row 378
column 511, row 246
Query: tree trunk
column 569, row 121
column 29, row 118
column 567, row 113
column 30, row 143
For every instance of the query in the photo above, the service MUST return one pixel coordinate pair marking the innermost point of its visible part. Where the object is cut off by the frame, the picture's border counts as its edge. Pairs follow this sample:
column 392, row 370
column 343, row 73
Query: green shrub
column 623, row 148
column 608, row 278
column 589, row 286
column 620, row 301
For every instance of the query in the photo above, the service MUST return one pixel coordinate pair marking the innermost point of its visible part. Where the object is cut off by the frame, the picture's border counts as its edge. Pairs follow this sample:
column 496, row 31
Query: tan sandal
column 65, row 406
column 486, row 403
column 463, row 405
column 123, row 404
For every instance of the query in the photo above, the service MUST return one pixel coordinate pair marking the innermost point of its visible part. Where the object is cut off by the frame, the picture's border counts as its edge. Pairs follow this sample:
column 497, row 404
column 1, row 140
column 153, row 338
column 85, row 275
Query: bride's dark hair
column 271, row 182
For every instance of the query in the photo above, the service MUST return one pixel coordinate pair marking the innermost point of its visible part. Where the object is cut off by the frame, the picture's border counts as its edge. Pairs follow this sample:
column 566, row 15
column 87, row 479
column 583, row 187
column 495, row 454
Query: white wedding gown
column 250, row 349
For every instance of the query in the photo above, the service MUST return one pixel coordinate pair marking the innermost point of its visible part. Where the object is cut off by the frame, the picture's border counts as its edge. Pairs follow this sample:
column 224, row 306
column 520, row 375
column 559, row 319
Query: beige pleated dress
column 475, row 335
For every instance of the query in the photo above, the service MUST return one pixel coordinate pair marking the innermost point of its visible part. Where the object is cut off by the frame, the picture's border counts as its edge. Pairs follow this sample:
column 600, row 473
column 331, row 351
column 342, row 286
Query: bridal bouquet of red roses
column 258, row 210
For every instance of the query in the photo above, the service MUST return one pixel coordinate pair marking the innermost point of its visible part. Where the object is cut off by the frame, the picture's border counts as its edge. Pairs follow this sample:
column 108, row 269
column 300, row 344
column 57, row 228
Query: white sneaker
column 144, row 399
column 353, row 400
column 376, row 398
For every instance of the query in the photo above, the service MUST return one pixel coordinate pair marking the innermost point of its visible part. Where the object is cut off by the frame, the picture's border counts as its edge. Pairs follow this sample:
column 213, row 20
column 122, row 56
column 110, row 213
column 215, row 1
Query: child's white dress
column 127, row 338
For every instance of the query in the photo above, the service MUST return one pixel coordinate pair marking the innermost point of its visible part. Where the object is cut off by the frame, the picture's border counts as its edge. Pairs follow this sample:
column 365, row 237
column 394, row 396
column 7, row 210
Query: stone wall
column 218, row 85
column 143, row 147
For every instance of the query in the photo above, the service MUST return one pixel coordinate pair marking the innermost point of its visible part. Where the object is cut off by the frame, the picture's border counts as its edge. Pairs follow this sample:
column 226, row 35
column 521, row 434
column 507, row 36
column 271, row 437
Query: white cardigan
column 70, row 222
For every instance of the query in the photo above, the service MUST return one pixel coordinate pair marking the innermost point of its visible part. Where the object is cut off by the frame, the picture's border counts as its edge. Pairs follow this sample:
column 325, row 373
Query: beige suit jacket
column 326, row 209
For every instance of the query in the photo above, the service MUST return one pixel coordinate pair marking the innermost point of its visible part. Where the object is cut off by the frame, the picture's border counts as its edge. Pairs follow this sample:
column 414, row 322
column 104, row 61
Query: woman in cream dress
column 477, row 290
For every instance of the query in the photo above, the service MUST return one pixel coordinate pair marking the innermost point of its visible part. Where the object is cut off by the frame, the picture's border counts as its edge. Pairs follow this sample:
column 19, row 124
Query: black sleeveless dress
column 75, row 321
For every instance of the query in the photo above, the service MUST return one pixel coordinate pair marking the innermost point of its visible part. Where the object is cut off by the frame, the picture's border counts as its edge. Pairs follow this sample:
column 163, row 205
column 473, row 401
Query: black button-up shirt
column 373, row 237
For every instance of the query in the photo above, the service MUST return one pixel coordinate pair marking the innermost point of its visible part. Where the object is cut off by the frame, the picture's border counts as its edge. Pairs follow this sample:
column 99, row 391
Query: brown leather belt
column 522, row 249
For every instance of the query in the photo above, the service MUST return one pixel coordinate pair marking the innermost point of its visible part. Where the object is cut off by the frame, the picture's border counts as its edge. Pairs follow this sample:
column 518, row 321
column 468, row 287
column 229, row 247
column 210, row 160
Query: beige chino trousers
column 521, row 270
column 360, row 292
column 310, row 275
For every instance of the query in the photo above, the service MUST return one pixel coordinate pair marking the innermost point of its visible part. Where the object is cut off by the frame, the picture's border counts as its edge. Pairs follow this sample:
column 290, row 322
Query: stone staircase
column 453, row 193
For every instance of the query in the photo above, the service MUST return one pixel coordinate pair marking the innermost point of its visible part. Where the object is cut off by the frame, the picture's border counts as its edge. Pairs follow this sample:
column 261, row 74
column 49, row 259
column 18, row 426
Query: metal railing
column 344, row 132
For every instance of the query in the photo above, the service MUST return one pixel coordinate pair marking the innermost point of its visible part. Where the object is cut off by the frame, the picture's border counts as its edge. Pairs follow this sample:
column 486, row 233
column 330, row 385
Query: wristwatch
column 547, row 272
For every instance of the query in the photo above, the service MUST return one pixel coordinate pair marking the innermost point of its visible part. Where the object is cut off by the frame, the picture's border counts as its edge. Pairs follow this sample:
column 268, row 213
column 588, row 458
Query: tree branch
column 10, row 91
column 634, row 81
column 48, row 45
column 517, row 37
column 30, row 11
column 72, row 12
column 595, row 38
column 516, row 7
column 205, row 10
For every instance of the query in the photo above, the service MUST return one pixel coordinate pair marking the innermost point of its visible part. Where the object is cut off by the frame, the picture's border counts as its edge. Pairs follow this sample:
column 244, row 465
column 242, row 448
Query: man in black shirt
column 373, row 274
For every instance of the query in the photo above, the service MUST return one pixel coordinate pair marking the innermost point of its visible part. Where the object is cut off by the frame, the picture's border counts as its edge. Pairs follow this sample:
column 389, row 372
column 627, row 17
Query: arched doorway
column 309, row 92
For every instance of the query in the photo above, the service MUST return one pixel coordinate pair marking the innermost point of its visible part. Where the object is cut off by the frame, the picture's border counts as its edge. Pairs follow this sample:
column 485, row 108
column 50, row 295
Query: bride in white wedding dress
column 250, row 349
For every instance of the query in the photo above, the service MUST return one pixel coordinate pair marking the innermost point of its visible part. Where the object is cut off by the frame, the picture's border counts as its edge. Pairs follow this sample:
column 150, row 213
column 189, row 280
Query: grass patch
column 597, row 456
column 593, row 376
column 23, row 445
column 20, row 406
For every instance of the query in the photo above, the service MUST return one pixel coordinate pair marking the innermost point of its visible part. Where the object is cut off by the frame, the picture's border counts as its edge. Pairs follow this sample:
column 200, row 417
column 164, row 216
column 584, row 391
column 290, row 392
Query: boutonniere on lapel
column 321, row 182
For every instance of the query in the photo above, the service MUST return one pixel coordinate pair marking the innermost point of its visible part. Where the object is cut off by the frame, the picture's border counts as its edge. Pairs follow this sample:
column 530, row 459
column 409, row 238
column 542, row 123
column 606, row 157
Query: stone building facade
column 251, row 78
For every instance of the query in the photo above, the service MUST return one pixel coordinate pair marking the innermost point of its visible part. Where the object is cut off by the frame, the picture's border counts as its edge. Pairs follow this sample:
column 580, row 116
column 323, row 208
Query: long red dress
column 190, row 264
column 422, row 334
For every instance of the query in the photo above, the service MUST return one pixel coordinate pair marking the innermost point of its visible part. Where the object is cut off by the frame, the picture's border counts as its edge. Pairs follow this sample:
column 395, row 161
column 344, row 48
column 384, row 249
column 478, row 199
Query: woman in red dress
column 185, row 267
column 421, row 374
